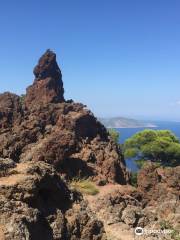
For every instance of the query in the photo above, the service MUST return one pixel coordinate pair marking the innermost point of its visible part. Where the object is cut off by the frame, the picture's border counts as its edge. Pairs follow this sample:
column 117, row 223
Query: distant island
column 122, row 122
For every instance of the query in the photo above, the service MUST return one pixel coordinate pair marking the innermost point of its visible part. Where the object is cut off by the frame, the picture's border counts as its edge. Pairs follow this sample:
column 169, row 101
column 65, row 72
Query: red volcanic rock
column 36, row 204
column 10, row 109
column 64, row 134
column 153, row 183
column 48, row 85
column 43, row 137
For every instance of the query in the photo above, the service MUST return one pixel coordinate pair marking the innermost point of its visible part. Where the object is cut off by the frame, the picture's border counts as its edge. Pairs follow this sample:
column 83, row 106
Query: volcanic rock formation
column 42, row 126
column 45, row 142
column 48, row 85
column 10, row 110
column 44, row 138
column 35, row 204
column 153, row 205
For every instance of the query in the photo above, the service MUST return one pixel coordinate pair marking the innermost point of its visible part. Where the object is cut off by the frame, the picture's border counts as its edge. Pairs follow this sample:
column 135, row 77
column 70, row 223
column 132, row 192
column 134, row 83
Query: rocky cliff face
column 44, row 137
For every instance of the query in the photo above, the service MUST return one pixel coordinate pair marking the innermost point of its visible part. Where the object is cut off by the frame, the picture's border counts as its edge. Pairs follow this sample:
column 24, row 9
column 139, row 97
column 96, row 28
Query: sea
column 126, row 133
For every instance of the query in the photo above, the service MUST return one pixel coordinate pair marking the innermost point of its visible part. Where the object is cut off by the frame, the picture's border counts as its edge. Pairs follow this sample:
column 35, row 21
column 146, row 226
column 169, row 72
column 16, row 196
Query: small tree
column 114, row 135
column 22, row 97
column 156, row 145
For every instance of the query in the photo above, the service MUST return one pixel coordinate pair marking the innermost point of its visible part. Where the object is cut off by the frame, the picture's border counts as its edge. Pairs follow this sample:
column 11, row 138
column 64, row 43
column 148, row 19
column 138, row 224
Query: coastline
column 149, row 126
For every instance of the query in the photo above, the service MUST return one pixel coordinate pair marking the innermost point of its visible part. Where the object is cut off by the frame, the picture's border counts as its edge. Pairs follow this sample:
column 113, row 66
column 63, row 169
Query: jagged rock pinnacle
column 48, row 85
column 47, row 67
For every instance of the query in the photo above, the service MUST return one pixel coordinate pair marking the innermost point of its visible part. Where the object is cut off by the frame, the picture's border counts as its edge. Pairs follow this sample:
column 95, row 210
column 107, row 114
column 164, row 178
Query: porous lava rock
column 158, row 184
column 42, row 126
column 153, row 205
column 35, row 204
column 48, row 85
column 44, row 139
column 10, row 110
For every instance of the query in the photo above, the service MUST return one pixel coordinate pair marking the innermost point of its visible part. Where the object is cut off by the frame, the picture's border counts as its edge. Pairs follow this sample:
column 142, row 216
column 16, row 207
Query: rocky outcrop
column 36, row 204
column 44, row 138
column 10, row 110
column 154, row 205
column 158, row 184
column 42, row 126
column 48, row 85
column 161, row 192
column 119, row 208
column 45, row 142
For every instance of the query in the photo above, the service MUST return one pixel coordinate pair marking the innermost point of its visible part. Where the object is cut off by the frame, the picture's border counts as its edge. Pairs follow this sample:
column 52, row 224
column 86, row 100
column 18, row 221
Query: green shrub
column 160, row 146
column 22, row 97
column 166, row 225
column 140, row 163
column 114, row 135
column 175, row 234
column 133, row 179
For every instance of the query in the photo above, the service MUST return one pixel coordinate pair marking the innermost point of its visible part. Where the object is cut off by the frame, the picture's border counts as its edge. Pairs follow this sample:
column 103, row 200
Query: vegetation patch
column 114, row 135
column 84, row 186
column 160, row 146
column 166, row 225
column 22, row 98
column 133, row 179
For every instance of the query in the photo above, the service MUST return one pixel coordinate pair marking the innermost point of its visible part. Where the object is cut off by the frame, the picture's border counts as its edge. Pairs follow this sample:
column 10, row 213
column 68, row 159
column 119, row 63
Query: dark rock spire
column 48, row 85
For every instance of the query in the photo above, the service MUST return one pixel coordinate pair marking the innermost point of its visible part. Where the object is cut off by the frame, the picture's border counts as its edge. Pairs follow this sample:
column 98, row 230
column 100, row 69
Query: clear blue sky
column 120, row 57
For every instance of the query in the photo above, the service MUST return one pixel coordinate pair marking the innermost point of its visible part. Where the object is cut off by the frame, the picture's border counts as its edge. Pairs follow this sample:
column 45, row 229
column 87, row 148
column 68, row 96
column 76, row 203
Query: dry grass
column 84, row 186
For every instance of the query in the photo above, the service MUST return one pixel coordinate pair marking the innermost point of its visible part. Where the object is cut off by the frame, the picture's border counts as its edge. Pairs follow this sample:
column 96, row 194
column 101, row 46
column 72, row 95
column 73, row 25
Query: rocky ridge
column 42, row 126
column 45, row 141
